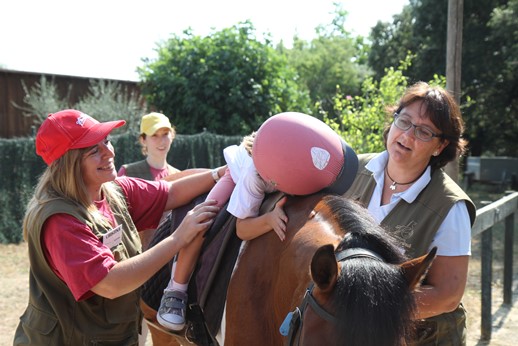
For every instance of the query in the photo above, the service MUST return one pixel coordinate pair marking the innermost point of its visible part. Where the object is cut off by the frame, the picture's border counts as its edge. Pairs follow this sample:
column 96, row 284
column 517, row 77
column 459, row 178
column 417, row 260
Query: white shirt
column 453, row 238
column 248, row 195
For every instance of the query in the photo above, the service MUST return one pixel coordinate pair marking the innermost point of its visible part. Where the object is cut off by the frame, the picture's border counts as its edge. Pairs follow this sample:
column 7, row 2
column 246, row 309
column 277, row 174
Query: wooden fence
column 502, row 210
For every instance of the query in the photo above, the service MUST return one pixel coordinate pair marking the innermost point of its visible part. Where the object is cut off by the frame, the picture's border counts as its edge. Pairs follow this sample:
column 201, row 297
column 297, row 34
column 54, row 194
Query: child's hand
column 278, row 219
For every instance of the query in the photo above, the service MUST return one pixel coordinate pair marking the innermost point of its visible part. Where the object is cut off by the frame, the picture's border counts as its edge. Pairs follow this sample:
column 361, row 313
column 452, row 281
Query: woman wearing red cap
column 86, row 262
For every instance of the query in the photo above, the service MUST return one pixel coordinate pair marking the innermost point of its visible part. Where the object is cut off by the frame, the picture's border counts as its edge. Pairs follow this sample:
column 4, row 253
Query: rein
column 292, row 324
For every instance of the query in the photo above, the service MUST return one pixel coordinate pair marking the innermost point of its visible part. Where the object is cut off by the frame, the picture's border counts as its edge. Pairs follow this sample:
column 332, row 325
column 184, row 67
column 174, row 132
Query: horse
column 338, row 275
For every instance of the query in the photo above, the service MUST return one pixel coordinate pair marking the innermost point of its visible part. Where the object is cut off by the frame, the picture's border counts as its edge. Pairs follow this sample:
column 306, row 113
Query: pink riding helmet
column 301, row 155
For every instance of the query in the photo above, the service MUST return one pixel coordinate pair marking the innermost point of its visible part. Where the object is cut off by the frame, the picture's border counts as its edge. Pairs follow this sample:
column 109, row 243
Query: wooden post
column 486, row 276
column 508, row 259
column 453, row 63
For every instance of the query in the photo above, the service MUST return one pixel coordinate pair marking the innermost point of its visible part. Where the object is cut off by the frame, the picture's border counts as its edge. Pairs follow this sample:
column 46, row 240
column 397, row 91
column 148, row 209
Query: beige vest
column 416, row 225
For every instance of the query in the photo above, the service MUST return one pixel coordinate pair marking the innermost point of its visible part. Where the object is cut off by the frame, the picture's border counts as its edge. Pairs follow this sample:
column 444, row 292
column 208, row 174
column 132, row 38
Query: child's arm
column 253, row 227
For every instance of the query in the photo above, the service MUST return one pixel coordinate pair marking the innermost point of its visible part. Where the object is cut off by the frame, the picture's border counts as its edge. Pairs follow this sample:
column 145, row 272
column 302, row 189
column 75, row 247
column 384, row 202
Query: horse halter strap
column 357, row 252
column 295, row 318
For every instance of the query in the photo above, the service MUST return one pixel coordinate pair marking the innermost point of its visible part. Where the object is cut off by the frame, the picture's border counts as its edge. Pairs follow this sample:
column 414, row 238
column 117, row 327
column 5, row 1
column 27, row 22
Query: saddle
column 207, row 291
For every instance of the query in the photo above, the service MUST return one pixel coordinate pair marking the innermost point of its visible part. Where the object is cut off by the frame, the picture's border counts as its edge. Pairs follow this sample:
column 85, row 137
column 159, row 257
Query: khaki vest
column 141, row 169
column 416, row 224
column 54, row 317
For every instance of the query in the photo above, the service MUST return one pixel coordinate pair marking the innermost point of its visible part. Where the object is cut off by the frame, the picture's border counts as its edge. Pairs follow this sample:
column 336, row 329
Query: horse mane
column 365, row 287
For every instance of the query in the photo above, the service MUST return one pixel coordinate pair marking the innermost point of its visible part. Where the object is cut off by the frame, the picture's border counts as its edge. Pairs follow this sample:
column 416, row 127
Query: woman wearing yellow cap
column 156, row 137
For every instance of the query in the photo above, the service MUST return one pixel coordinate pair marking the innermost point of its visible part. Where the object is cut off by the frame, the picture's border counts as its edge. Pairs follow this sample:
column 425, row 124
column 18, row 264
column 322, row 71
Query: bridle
column 292, row 325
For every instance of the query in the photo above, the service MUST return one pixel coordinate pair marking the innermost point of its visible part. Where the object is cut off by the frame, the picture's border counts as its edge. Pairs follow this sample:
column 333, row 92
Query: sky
column 109, row 38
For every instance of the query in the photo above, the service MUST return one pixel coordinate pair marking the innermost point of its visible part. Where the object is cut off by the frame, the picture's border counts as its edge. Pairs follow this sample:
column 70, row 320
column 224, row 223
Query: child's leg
column 188, row 256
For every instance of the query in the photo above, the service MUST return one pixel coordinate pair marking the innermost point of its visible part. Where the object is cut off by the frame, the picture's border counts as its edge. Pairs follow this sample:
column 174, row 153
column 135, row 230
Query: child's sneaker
column 171, row 313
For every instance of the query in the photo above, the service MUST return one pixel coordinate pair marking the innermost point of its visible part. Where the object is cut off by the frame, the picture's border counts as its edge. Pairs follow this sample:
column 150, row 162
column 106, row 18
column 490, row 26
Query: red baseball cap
column 70, row 129
column 300, row 155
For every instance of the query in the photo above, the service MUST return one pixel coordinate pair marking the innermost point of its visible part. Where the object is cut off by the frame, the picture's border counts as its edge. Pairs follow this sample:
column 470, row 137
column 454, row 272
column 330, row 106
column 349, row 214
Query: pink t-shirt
column 157, row 173
column 77, row 256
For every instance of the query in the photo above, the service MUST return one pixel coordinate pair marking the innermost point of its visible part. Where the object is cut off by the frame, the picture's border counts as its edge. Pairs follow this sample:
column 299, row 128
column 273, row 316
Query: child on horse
column 291, row 152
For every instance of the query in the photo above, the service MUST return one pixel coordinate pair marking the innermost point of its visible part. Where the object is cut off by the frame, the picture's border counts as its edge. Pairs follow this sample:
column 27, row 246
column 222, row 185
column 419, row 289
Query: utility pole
column 453, row 63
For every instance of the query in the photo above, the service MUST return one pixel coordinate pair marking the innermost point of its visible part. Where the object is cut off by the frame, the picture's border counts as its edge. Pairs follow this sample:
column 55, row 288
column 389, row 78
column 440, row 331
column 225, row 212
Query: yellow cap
column 152, row 122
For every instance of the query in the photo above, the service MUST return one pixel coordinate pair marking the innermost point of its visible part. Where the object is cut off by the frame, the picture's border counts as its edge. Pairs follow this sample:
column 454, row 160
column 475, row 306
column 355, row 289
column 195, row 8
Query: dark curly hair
column 444, row 112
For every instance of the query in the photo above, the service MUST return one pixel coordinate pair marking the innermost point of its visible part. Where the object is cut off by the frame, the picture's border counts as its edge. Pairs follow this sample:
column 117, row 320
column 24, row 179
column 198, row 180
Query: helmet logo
column 320, row 157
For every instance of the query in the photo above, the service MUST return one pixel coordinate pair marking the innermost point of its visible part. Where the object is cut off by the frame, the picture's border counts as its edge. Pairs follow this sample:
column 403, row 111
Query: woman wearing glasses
column 407, row 191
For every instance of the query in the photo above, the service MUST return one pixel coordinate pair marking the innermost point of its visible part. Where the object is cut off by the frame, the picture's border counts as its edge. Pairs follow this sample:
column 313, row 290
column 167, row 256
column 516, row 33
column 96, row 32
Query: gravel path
column 15, row 286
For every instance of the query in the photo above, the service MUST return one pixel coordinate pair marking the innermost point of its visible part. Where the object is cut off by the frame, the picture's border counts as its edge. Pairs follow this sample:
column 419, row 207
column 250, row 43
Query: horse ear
column 416, row 269
column 324, row 268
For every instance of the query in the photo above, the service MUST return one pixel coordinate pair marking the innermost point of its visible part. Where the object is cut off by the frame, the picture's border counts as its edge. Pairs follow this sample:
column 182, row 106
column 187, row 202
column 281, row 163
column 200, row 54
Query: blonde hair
column 248, row 142
column 63, row 180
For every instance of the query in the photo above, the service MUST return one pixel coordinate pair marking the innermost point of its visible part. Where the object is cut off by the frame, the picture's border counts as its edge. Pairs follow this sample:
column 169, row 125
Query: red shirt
column 77, row 256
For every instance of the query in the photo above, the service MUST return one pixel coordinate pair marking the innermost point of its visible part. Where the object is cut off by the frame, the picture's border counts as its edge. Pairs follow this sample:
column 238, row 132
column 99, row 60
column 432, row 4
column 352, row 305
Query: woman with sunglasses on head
column 406, row 189
column 81, row 226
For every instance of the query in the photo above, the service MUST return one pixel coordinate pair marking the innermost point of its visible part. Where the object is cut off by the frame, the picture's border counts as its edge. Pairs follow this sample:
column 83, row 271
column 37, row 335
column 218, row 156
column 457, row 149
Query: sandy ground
column 15, row 286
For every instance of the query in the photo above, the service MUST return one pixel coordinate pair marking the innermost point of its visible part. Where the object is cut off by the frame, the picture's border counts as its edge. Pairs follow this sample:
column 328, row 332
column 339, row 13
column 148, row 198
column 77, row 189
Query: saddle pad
column 153, row 289
column 217, row 260
column 209, row 282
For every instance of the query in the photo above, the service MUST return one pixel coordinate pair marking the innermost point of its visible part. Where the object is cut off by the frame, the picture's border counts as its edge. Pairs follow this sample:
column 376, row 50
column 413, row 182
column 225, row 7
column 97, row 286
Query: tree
column 363, row 117
column 42, row 98
column 420, row 29
column 332, row 60
column 391, row 42
column 488, row 81
column 108, row 100
column 105, row 100
column 496, row 109
column 228, row 82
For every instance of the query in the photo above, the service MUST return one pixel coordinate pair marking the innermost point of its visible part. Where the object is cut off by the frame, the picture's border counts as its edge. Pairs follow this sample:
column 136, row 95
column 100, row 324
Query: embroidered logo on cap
column 81, row 120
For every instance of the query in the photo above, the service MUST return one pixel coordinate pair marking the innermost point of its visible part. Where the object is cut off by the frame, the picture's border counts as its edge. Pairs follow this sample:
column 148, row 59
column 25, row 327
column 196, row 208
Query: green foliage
column 108, row 100
column 43, row 98
column 334, row 60
column 494, row 118
column 105, row 100
column 21, row 168
column 18, row 172
column 390, row 42
column 363, row 118
column 228, row 82
column 489, row 69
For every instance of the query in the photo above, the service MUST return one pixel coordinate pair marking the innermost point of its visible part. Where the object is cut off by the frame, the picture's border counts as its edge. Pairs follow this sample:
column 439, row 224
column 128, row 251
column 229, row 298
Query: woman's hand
column 196, row 221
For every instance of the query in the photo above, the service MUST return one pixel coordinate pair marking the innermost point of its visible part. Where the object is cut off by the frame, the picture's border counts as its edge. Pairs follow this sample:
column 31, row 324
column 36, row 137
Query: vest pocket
column 39, row 326
column 123, row 309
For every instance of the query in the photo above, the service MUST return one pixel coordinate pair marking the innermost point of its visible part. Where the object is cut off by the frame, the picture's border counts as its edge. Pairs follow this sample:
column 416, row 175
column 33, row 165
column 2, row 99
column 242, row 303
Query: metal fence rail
column 502, row 210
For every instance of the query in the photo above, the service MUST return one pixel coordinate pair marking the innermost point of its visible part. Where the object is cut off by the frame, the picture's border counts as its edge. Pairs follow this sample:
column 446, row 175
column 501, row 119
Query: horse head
column 362, row 291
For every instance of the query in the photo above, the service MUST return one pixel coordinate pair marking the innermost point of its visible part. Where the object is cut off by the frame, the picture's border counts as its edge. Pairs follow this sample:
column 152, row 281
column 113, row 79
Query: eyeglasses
column 421, row 132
